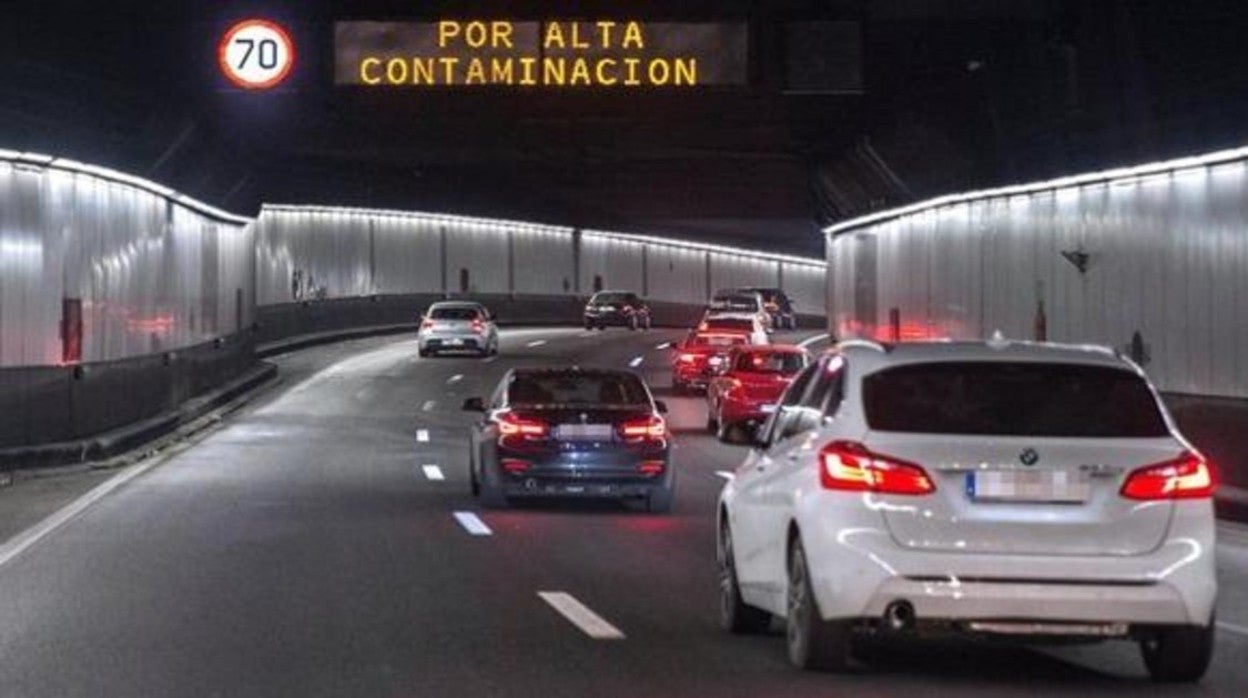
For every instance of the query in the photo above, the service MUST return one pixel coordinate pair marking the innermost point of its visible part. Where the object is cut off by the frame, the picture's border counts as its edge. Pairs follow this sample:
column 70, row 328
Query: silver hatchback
column 457, row 326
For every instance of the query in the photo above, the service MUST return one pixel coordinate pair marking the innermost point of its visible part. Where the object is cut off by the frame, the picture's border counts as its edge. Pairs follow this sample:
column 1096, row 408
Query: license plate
column 583, row 432
column 455, row 342
column 1035, row 486
column 767, row 409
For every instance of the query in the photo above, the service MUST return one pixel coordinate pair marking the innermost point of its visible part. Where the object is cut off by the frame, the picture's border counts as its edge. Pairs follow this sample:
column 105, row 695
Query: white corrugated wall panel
column 675, row 274
column 616, row 263
column 543, row 260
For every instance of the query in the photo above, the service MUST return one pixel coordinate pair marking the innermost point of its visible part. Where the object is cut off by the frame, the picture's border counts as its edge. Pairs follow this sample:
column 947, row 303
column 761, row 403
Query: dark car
column 617, row 309
column 570, row 432
column 778, row 306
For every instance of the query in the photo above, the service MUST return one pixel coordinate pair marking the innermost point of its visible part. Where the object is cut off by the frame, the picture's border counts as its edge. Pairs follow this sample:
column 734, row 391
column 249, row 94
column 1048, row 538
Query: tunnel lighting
column 703, row 247
column 435, row 218
column 1112, row 176
column 109, row 175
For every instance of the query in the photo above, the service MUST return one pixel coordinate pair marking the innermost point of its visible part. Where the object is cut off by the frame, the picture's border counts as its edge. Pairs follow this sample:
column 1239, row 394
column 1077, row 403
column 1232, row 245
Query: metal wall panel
column 1166, row 267
column 804, row 284
column 675, row 274
column 616, row 263
column 153, row 270
column 543, row 261
column 734, row 271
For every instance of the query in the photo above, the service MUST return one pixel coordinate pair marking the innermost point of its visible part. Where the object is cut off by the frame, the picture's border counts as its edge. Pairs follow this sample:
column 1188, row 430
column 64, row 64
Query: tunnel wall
column 1163, row 250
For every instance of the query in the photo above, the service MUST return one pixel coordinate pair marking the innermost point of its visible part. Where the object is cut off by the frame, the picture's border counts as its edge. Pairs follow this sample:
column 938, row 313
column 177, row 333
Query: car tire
column 728, row 433
column 1179, row 655
column 735, row 615
column 813, row 643
column 425, row 353
column 661, row 499
column 474, row 484
column 679, row 387
column 712, row 424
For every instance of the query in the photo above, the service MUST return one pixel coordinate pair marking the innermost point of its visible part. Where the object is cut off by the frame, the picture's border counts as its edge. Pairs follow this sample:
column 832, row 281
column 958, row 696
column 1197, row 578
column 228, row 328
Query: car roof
column 770, row 349
column 457, row 304
column 1004, row 350
column 731, row 316
column 571, row 371
column 616, row 290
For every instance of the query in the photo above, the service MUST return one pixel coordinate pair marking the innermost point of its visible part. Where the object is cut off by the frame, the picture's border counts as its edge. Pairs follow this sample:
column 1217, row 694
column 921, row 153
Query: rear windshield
column 783, row 363
column 454, row 313
column 610, row 298
column 716, row 340
column 574, row 388
column 735, row 303
column 730, row 324
column 1011, row 399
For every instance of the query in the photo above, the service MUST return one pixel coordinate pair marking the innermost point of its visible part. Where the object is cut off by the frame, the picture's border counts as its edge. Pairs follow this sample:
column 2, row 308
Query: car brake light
column 850, row 466
column 687, row 358
column 651, row 467
column 511, row 425
column 1187, row 477
column 478, row 326
column 652, row 427
column 426, row 325
column 515, row 466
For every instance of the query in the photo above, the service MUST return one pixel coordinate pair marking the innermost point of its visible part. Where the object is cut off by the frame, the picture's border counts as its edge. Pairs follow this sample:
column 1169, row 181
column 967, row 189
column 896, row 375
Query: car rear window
column 1011, row 399
column 748, row 303
column 729, row 324
column 610, row 298
column 576, row 388
column 784, row 363
column 717, row 340
column 454, row 313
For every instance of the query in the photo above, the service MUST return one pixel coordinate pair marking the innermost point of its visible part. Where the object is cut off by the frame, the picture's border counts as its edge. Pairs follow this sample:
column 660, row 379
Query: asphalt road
column 304, row 549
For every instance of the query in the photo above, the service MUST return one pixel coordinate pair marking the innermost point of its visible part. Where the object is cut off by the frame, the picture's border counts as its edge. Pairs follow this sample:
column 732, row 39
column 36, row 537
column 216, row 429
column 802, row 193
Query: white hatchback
column 1036, row 491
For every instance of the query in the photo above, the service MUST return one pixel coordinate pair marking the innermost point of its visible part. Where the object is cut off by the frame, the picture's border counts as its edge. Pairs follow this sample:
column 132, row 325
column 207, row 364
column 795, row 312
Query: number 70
column 265, row 51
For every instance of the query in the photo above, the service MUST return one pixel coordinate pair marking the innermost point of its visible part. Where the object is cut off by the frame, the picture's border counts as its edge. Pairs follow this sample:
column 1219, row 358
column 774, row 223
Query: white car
column 736, row 323
column 457, row 326
column 738, row 303
column 1036, row 491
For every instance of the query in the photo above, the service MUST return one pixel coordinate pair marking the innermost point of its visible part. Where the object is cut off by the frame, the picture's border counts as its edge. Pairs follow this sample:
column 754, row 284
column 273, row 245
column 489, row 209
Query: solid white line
column 422, row 435
column 811, row 340
column 664, row 345
column 472, row 523
column 1233, row 628
column 433, row 472
column 429, row 405
column 536, row 343
column 589, row 622
column 636, row 362
column 455, row 378
column 727, row 475
column 24, row 540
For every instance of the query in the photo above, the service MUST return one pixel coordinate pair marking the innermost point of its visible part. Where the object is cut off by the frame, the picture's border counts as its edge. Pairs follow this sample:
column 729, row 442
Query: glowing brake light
column 1187, row 477
column 652, row 427
column 478, row 326
column 426, row 325
column 688, row 358
column 651, row 467
column 850, row 466
column 530, row 429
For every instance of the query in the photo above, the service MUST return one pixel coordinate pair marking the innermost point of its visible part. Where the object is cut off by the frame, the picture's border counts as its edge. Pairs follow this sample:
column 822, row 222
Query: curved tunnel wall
column 1152, row 260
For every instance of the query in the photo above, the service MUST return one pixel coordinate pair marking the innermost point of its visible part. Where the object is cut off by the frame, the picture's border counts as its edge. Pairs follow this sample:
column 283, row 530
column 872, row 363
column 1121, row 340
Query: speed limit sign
column 256, row 54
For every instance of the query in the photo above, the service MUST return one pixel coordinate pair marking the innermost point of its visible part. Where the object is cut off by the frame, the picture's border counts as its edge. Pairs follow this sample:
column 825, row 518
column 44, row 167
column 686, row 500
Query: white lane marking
column 579, row 615
column 664, row 345
column 433, row 472
column 536, row 343
column 455, row 378
column 1233, row 628
column 811, row 340
column 726, row 474
column 636, row 361
column 24, row 540
column 489, row 360
column 422, row 435
column 472, row 523
column 429, row 405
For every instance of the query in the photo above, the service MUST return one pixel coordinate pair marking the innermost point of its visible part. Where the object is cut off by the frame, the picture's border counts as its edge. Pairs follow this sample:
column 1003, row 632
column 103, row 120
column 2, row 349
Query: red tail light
column 688, row 358
column 651, row 467
column 515, row 466
column 653, row 428
column 527, row 429
column 1187, row 477
column 850, row 466
column 478, row 326
column 426, row 325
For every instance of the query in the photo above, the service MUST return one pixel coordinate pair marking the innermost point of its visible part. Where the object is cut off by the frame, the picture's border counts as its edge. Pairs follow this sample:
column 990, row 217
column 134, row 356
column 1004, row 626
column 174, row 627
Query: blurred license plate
column 1056, row 486
column 767, row 409
column 455, row 341
column 583, row 432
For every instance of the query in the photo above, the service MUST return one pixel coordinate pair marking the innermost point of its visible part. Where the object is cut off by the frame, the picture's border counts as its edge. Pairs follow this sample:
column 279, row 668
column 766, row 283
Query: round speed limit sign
column 256, row 54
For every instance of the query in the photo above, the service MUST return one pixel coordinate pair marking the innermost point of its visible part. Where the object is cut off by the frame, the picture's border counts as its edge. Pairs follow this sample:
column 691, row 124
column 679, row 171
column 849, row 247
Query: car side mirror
column 474, row 404
column 660, row 406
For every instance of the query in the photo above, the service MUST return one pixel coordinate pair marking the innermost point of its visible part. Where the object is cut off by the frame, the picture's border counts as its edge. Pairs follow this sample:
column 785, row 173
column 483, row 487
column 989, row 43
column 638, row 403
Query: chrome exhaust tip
column 899, row 616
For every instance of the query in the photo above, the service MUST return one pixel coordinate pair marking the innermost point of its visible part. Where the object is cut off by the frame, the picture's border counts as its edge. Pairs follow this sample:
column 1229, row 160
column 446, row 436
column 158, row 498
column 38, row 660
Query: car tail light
column 478, row 326
column 652, row 428
column 850, row 466
column 509, row 424
column 1187, row 477
column 426, row 325
column 514, row 466
column 628, row 310
column 688, row 358
column 651, row 467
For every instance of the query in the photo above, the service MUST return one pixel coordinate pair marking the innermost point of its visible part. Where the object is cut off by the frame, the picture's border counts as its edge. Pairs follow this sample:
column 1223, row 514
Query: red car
column 745, row 393
column 695, row 360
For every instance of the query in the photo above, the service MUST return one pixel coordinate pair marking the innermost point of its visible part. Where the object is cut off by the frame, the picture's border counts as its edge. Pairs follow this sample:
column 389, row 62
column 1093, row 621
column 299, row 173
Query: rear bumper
column 739, row 412
column 612, row 319
column 611, row 474
column 438, row 341
column 859, row 571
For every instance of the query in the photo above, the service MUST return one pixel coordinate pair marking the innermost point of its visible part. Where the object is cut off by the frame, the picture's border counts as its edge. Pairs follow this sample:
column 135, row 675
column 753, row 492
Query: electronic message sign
column 554, row 54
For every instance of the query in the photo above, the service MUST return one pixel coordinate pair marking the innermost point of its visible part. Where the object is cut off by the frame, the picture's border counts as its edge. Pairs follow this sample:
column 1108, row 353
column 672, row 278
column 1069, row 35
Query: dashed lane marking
column 489, row 360
column 664, row 345
column 429, row 405
column 637, row 361
column 579, row 615
column 472, row 523
column 536, row 343
column 422, row 435
column 433, row 472
column 455, row 378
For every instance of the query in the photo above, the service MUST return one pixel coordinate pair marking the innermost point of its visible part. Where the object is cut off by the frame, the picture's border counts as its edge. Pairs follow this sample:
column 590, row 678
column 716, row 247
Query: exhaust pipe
column 899, row 616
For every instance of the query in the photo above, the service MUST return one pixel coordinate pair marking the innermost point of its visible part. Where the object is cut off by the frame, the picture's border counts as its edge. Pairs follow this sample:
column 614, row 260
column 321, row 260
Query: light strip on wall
column 417, row 215
column 705, row 247
column 109, row 175
column 1170, row 167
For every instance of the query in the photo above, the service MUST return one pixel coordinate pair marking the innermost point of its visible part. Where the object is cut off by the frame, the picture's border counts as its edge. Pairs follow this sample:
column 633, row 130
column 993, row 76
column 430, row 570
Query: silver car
column 457, row 326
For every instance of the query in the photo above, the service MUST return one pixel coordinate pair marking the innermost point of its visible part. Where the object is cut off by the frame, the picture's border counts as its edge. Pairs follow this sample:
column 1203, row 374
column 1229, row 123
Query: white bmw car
column 1036, row 491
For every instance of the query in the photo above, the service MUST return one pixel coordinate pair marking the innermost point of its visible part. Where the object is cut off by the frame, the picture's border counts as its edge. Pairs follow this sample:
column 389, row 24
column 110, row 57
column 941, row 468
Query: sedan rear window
column 716, row 340
column 745, row 303
column 604, row 298
column 1012, row 399
column 729, row 324
column 453, row 314
column 783, row 363
column 577, row 388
